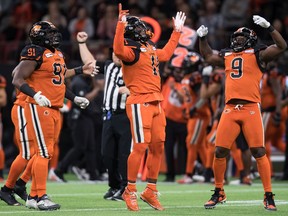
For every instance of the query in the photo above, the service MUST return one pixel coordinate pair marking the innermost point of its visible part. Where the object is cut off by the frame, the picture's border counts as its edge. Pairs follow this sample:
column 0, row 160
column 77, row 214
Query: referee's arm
column 86, row 55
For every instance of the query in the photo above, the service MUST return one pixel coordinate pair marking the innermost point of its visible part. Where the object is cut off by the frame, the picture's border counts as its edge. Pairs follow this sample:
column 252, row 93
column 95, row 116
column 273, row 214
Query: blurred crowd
column 98, row 18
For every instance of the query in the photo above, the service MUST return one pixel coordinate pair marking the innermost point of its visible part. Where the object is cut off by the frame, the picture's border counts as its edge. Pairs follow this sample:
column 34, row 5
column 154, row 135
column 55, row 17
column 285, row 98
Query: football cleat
column 185, row 180
column 59, row 177
column 9, row 198
column 110, row 193
column 218, row 197
column 31, row 202
column 268, row 201
column 21, row 192
column 45, row 204
column 130, row 198
column 118, row 195
column 151, row 198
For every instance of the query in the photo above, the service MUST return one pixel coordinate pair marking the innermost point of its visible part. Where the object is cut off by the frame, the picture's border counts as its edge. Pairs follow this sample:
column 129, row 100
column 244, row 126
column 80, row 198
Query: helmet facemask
column 45, row 34
column 242, row 39
column 137, row 30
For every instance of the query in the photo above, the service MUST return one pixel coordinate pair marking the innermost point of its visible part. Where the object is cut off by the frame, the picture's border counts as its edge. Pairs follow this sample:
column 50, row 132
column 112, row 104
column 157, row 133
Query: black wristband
column 81, row 42
column 69, row 95
column 26, row 89
column 203, row 38
column 78, row 70
column 271, row 28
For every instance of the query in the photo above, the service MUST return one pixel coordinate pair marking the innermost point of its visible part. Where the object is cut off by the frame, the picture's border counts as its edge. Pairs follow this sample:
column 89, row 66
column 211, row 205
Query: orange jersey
column 140, row 65
column 20, row 98
column 172, row 105
column 243, row 76
column 48, row 76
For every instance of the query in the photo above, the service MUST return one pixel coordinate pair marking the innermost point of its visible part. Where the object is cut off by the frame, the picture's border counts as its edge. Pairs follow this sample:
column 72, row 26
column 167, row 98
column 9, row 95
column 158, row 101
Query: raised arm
column 279, row 45
column 205, row 50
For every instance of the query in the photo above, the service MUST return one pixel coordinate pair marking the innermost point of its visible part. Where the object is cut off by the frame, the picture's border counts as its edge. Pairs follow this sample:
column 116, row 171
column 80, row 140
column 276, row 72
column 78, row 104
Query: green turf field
column 79, row 198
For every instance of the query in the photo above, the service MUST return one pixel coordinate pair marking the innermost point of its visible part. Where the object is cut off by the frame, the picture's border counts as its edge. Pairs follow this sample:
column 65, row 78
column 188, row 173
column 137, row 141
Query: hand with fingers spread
column 179, row 21
column 202, row 31
column 41, row 100
column 90, row 68
column 122, row 13
column 258, row 20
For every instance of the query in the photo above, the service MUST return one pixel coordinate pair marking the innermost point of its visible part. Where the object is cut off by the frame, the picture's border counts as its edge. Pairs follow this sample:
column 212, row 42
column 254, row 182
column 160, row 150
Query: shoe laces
column 269, row 199
column 215, row 196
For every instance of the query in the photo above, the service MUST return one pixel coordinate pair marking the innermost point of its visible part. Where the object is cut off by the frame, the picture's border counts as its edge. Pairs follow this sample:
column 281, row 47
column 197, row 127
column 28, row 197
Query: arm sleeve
column 121, row 51
column 167, row 51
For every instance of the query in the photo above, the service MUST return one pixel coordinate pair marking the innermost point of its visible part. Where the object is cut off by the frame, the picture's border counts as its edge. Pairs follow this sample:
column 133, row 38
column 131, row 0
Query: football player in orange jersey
column 244, row 62
column 42, row 69
column 3, row 102
column 140, row 65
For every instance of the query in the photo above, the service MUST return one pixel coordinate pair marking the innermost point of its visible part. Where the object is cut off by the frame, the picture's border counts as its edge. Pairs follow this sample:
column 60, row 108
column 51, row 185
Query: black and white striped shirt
column 113, row 101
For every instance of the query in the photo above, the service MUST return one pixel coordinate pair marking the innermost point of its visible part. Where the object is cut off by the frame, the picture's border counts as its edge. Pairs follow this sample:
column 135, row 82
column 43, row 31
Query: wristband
column 203, row 38
column 26, row 89
column 271, row 28
column 69, row 94
column 78, row 70
column 81, row 42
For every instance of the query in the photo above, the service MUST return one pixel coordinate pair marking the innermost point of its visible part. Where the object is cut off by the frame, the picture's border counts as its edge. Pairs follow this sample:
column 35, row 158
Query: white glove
column 202, row 31
column 261, row 21
column 82, row 102
column 179, row 21
column 41, row 100
column 207, row 71
column 64, row 109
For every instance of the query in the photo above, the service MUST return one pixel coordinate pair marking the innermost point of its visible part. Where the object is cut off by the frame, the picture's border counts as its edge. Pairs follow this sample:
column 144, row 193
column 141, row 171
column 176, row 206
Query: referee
column 116, row 134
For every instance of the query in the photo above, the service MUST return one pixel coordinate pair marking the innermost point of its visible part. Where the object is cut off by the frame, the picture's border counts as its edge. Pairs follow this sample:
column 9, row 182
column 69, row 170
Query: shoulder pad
column 32, row 52
column 223, row 51
column 259, row 47
column 132, row 43
column 2, row 82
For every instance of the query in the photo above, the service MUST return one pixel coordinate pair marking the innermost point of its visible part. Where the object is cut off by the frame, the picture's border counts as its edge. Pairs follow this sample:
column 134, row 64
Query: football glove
column 261, row 21
column 82, row 102
column 41, row 100
column 202, row 31
column 179, row 21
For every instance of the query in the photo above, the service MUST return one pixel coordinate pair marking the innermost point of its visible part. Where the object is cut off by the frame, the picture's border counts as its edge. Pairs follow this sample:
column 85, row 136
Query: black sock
column 20, row 182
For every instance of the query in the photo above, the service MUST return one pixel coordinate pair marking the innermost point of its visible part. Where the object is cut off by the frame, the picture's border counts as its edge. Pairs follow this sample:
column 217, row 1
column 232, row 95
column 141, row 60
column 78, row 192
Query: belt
column 239, row 101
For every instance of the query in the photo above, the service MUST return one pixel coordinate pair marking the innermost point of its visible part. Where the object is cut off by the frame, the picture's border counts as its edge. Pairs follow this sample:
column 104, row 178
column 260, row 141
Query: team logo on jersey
column 46, row 112
column 227, row 111
column 249, row 51
column 228, row 53
column 252, row 112
column 154, row 48
column 143, row 49
column 60, row 54
column 146, row 104
column 48, row 55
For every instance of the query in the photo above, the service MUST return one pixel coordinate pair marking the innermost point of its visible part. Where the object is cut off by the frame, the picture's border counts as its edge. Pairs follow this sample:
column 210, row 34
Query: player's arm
column 205, row 49
column 90, row 68
column 167, row 51
column 279, row 45
column 124, row 53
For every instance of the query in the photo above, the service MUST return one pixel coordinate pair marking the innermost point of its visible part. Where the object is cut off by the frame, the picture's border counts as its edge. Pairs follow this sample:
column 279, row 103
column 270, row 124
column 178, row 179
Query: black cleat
column 268, row 201
column 118, row 195
column 21, row 192
column 218, row 197
column 59, row 176
column 110, row 193
column 9, row 198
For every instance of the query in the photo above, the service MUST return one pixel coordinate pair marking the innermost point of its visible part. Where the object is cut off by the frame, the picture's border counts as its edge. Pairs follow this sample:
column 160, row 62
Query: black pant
column 116, row 147
column 175, row 133
column 82, row 132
